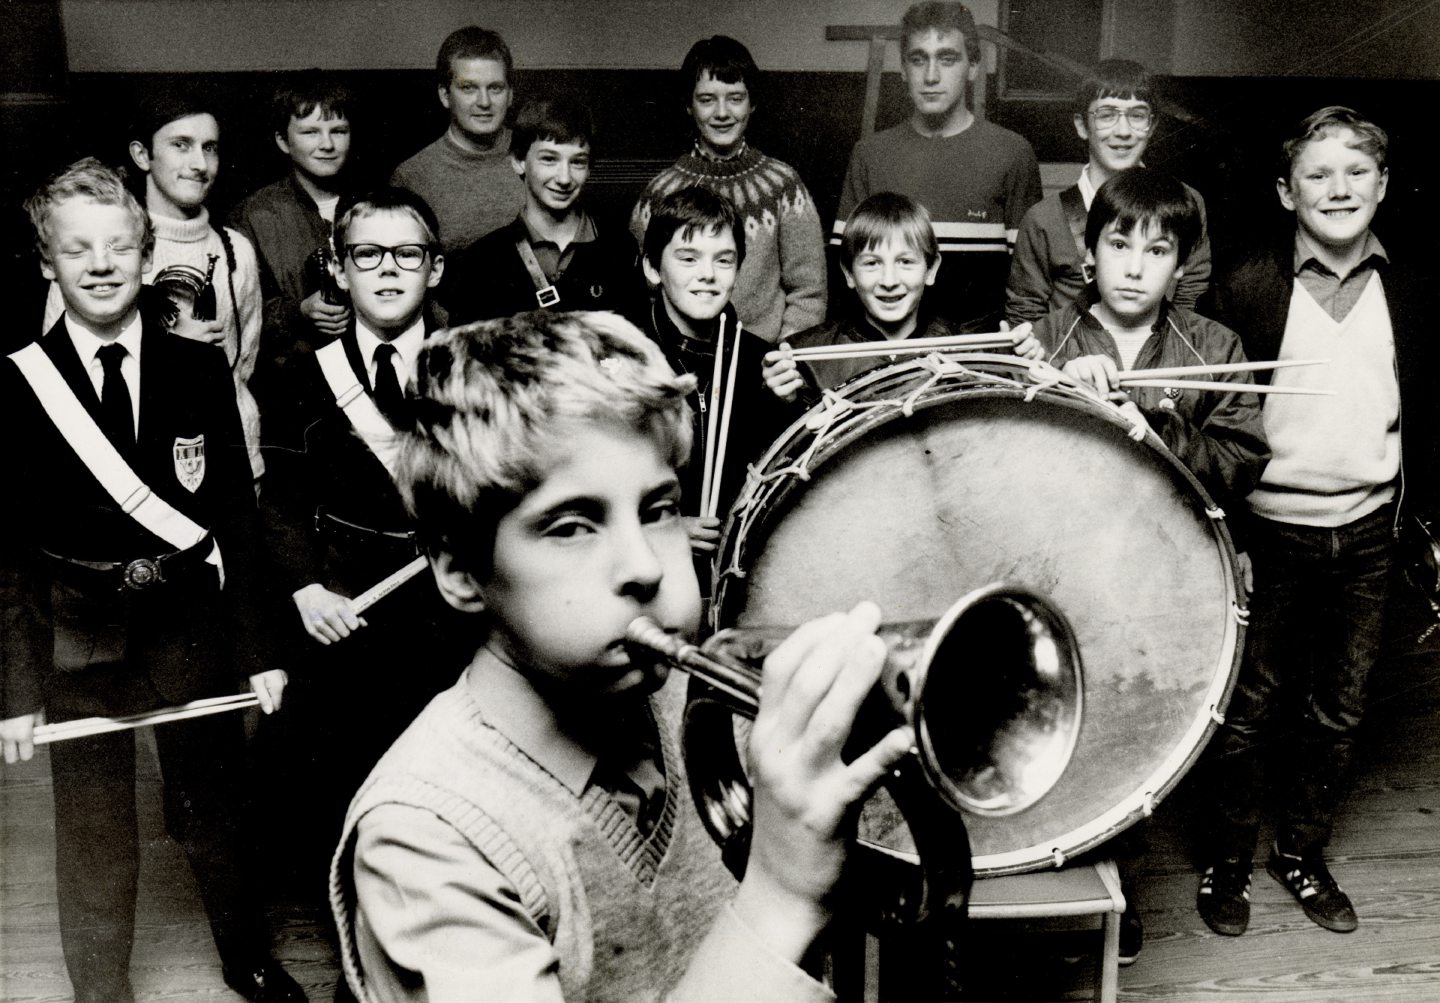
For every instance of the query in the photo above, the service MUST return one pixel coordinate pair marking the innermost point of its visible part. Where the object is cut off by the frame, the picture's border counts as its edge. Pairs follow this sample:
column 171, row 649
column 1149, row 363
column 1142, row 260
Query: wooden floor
column 1386, row 853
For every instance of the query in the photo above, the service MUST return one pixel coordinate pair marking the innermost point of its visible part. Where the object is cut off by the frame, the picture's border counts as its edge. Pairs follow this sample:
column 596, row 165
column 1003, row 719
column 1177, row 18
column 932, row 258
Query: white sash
column 358, row 406
column 99, row 454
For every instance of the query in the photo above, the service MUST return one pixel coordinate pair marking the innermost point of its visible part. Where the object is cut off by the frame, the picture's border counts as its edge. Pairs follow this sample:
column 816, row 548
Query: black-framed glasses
column 1141, row 118
column 367, row 257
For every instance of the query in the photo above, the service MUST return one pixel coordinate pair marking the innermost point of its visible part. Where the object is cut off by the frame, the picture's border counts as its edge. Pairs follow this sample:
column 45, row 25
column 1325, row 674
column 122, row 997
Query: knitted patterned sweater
column 781, row 285
column 192, row 242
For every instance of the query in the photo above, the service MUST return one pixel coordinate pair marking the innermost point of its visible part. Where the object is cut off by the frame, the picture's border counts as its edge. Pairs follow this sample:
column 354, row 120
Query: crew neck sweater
column 471, row 194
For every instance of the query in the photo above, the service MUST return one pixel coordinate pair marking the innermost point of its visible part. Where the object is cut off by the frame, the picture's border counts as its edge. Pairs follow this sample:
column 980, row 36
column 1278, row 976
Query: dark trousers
column 96, row 843
column 1316, row 623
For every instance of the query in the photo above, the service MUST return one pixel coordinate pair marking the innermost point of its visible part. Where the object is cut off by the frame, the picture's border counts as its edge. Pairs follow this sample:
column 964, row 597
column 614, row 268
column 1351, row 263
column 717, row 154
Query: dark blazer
column 190, row 639
column 488, row 279
column 315, row 462
column 1253, row 300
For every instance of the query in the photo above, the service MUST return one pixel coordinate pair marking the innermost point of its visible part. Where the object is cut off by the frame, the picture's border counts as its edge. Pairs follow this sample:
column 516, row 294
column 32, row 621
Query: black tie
column 116, row 412
column 388, row 397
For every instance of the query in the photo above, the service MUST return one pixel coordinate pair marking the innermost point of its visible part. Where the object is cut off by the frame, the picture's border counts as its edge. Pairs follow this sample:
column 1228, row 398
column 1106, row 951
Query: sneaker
column 1310, row 881
column 1224, row 897
column 1132, row 934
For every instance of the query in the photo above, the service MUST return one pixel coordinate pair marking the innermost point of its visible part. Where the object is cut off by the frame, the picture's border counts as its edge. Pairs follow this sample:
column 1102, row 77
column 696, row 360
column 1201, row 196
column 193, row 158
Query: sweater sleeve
column 1027, row 293
column 1022, row 189
column 802, row 264
column 248, row 323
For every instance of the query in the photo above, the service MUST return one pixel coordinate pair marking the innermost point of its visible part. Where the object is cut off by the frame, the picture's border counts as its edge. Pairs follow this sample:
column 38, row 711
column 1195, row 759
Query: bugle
column 993, row 690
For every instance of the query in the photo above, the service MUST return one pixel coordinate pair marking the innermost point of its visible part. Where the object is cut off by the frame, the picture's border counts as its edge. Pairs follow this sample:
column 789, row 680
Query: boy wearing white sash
column 338, row 525
column 137, row 506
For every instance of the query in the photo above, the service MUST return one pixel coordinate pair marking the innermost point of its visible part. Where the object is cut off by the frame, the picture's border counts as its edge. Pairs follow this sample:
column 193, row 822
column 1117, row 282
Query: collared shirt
column 407, row 349
column 554, row 261
column 1088, row 188
column 87, row 346
column 514, row 708
column 1336, row 294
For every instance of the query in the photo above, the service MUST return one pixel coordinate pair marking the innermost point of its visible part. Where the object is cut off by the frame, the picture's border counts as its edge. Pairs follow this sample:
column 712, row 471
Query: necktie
column 388, row 397
column 117, row 414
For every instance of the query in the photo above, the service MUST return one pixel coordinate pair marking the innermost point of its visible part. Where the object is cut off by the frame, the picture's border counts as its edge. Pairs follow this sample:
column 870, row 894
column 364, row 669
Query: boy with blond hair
column 531, row 836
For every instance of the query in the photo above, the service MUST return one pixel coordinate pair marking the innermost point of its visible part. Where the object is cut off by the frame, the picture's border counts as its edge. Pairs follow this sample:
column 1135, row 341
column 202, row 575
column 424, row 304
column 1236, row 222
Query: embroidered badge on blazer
column 190, row 462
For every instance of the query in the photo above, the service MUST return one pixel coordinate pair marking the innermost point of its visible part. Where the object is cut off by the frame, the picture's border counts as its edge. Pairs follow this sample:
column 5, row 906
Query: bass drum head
column 980, row 486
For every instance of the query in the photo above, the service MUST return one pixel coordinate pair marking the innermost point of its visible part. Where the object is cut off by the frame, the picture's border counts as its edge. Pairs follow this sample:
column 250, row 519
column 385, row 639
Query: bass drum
column 915, row 484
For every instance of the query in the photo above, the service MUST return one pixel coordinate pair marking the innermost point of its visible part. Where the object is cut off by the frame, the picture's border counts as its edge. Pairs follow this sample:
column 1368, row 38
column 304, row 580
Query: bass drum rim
column 774, row 477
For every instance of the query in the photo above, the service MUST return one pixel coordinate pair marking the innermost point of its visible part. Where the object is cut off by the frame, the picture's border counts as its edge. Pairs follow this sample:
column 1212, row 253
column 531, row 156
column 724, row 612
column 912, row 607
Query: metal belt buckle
column 142, row 572
column 548, row 296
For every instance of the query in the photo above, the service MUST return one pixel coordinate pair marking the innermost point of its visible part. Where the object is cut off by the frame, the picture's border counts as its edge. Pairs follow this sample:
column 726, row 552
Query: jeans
column 1316, row 622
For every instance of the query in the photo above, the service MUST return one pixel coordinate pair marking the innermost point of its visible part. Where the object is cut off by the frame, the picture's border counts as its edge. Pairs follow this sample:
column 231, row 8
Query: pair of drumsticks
column 1177, row 377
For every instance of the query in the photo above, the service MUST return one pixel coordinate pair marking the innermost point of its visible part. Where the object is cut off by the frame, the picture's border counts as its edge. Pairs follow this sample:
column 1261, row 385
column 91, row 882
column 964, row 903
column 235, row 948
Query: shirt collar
column 584, row 233
column 513, row 707
column 407, row 344
column 1088, row 188
column 1307, row 256
column 87, row 343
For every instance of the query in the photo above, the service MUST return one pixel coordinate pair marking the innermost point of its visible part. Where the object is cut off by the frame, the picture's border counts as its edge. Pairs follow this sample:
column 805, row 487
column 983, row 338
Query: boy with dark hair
column 289, row 221
column 113, row 608
column 339, row 524
column 975, row 178
column 694, row 248
column 1142, row 225
column 465, row 174
column 555, row 256
column 175, row 144
column 1116, row 116
column 530, row 836
column 1347, row 469
column 781, row 286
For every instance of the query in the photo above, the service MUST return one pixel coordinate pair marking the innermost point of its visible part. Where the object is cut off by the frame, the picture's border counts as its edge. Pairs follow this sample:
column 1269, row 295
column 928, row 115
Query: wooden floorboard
column 1385, row 851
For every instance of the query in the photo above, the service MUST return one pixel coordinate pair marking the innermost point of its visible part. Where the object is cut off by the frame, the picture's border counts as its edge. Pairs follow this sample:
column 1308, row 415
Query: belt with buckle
column 138, row 574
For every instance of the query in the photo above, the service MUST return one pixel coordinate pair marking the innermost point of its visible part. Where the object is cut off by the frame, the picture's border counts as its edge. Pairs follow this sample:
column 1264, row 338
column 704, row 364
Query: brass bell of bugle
column 993, row 689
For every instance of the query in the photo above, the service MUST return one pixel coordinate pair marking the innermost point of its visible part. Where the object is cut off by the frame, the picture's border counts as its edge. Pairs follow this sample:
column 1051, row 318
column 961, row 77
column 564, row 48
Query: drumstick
column 709, row 468
column 953, row 343
column 1224, row 367
column 1253, row 388
column 86, row 726
column 712, row 501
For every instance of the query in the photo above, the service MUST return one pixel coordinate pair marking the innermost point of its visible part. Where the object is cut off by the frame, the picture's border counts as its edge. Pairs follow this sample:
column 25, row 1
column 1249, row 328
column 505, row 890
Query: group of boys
column 530, row 834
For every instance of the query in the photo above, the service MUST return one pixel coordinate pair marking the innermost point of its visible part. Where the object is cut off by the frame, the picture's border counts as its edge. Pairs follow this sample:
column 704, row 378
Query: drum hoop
column 839, row 420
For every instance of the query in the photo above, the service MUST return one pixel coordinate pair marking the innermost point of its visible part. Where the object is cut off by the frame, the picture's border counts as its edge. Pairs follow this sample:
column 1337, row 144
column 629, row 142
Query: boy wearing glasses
column 1115, row 115
column 337, row 522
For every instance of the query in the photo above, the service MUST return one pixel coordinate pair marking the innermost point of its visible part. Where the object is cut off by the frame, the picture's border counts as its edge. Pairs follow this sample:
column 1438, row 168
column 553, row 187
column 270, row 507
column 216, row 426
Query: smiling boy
column 975, row 178
column 1346, row 469
column 1116, row 116
column 781, row 286
column 555, row 255
column 695, row 246
column 465, row 174
column 290, row 220
column 112, row 608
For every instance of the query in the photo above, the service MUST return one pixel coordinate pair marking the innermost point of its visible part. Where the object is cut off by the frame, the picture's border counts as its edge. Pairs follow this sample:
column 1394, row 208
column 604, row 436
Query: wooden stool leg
column 1108, row 982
